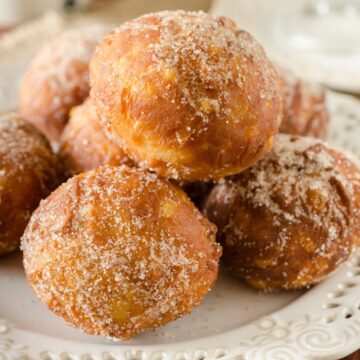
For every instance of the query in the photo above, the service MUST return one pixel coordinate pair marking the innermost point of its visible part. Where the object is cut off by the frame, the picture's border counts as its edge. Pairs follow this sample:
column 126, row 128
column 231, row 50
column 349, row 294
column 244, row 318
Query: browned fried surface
column 58, row 79
column 28, row 172
column 84, row 145
column 288, row 222
column 305, row 110
column 186, row 94
column 118, row 250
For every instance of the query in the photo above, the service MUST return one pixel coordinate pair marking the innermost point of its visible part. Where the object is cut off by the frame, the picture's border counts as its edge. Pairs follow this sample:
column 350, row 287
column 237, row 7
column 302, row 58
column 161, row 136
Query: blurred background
column 318, row 39
column 16, row 11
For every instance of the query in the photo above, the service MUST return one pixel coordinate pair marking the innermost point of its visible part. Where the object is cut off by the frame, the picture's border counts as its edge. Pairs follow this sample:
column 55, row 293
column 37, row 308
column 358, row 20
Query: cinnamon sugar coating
column 58, row 79
column 305, row 110
column 290, row 220
column 28, row 172
column 84, row 145
column 186, row 94
column 127, row 252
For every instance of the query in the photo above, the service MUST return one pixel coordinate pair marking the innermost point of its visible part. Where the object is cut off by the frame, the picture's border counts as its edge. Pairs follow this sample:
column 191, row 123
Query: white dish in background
column 234, row 321
column 271, row 22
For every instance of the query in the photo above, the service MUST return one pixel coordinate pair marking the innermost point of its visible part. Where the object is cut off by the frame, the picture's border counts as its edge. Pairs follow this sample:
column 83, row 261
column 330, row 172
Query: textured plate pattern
column 323, row 324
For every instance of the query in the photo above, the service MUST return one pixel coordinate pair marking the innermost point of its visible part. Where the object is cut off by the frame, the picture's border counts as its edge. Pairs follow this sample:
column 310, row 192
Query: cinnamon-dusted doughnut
column 117, row 250
column 305, row 110
column 186, row 94
column 84, row 145
column 28, row 172
column 356, row 181
column 289, row 221
column 58, row 79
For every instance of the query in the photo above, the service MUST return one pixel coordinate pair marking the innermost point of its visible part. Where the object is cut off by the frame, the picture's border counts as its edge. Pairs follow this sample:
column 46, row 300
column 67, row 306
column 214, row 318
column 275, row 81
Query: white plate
column 233, row 322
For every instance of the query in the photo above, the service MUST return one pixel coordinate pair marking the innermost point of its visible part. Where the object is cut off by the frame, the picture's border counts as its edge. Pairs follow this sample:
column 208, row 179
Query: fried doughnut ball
column 128, row 252
column 28, row 172
column 84, row 145
column 58, row 79
column 289, row 221
column 356, row 182
column 305, row 110
column 186, row 94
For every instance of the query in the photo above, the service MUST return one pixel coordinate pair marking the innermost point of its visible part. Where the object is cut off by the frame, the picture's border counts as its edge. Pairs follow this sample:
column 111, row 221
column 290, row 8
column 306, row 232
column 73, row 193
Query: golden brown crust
column 58, row 79
column 186, row 94
column 128, row 253
column 28, row 172
column 84, row 145
column 289, row 221
column 354, row 160
column 305, row 110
